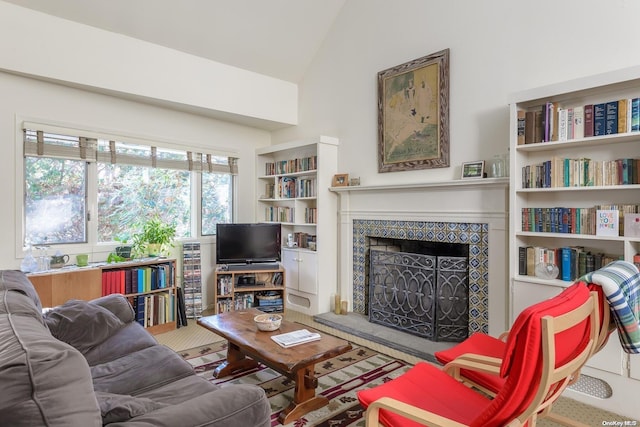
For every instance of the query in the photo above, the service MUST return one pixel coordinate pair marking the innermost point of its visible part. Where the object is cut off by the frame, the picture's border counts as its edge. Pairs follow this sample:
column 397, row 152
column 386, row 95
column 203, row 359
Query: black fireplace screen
column 424, row 295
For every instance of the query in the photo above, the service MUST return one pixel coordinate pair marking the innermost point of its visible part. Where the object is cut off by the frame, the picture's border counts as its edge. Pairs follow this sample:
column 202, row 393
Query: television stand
column 260, row 286
column 263, row 266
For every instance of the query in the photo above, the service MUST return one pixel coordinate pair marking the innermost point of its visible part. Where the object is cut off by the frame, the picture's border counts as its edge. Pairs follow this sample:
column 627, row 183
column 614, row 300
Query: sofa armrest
column 237, row 405
column 118, row 305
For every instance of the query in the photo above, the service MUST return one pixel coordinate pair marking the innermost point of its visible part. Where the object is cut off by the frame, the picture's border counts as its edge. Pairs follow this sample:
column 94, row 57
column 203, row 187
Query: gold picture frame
column 340, row 180
column 413, row 114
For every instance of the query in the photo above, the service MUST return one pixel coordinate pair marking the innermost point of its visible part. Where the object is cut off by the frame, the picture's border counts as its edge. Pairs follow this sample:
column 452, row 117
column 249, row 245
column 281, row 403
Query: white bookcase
column 293, row 181
column 612, row 366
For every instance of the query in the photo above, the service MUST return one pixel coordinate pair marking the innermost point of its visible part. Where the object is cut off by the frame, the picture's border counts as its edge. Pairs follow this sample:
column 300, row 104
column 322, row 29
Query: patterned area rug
column 338, row 379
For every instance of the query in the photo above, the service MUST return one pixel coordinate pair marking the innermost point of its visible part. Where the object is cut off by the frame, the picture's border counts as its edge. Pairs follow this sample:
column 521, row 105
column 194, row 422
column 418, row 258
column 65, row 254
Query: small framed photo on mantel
column 340, row 180
column 473, row 170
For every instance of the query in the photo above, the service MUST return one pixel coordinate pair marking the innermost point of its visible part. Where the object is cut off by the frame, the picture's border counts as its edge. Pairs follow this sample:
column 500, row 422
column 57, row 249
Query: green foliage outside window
column 55, row 194
column 128, row 195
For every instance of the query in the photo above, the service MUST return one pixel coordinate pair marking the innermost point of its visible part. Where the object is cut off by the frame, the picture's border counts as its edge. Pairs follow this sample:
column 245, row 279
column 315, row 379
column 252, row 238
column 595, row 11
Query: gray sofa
column 90, row 364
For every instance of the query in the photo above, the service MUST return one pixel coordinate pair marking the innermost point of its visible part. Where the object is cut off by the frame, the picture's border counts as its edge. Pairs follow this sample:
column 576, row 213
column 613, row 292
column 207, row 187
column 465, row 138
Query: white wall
column 497, row 47
column 25, row 98
column 37, row 44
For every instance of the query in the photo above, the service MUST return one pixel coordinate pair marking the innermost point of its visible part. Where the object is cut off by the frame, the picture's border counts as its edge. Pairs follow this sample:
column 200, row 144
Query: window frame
column 92, row 245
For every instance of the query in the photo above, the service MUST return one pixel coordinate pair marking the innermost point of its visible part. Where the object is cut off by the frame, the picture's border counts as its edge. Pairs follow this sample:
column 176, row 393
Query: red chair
column 486, row 345
column 549, row 341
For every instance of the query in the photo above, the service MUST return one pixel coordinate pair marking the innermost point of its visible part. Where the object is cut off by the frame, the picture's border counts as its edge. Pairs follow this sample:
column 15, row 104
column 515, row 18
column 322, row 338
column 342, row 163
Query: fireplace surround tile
column 476, row 235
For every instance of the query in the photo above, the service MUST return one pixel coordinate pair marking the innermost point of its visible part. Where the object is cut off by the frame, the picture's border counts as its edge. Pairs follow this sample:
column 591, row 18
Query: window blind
column 41, row 143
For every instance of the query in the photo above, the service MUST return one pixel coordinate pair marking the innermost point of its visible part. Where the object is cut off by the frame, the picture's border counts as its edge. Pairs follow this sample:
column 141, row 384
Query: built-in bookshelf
column 574, row 187
column 293, row 189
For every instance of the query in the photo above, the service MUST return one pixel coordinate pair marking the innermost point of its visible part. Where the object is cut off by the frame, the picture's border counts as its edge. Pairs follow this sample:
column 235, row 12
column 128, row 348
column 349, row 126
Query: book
column 521, row 126
column 588, row 120
column 599, row 119
column 522, row 260
column 635, row 115
column 294, row 338
column 578, row 123
column 529, row 127
column 607, row 222
column 624, row 116
column 611, row 117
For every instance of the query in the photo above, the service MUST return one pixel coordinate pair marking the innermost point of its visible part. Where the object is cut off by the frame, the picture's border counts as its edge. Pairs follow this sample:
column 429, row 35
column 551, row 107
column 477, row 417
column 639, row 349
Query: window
column 128, row 193
column 216, row 201
column 55, row 201
column 131, row 182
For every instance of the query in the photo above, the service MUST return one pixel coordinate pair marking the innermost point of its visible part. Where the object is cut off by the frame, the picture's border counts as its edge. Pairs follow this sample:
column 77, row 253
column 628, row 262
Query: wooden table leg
column 236, row 362
column 304, row 398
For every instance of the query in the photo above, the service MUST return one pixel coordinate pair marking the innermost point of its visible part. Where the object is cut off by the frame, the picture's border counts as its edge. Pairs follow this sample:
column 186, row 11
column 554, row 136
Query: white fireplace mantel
column 466, row 183
column 472, row 200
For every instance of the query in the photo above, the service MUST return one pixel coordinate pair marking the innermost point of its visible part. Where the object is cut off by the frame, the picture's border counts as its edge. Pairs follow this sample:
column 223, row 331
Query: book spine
column 611, row 117
column 623, row 116
column 599, row 119
column 588, row 120
column 521, row 126
column 578, row 122
column 635, row 115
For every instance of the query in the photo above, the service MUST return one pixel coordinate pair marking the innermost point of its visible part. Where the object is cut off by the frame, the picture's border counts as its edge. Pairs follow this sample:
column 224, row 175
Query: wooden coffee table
column 248, row 346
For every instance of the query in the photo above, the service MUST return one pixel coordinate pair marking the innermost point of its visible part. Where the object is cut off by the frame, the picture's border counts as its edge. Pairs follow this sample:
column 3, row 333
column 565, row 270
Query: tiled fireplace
column 475, row 235
column 472, row 213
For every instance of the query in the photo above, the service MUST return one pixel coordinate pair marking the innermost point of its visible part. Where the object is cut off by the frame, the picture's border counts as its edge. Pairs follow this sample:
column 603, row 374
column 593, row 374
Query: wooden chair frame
column 470, row 361
column 553, row 380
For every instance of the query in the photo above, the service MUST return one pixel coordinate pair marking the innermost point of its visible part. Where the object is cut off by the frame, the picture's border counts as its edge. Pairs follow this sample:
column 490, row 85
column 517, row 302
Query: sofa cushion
column 119, row 407
column 13, row 280
column 138, row 372
column 81, row 324
column 40, row 375
column 126, row 340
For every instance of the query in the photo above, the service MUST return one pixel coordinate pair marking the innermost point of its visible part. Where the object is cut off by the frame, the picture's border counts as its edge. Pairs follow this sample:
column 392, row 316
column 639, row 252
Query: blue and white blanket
column 620, row 282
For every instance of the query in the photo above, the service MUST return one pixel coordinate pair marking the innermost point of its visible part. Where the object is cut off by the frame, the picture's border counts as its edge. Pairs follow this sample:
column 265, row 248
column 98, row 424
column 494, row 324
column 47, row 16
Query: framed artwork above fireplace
column 413, row 114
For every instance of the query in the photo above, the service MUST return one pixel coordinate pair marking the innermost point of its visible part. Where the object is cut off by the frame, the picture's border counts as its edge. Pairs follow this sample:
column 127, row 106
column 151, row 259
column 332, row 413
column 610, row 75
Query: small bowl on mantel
column 267, row 322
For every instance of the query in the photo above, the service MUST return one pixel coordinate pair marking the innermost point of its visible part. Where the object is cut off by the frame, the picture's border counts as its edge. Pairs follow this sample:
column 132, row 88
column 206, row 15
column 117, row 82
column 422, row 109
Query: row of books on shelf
column 572, row 262
column 279, row 214
column 239, row 302
column 290, row 187
column 600, row 220
column 582, row 172
column 287, row 214
column 155, row 309
column 310, row 215
column 305, row 240
column 554, row 122
column 137, row 279
column 291, row 166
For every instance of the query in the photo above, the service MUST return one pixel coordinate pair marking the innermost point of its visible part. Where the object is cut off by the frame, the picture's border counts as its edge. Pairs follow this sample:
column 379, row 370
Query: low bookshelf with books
column 150, row 287
column 149, row 284
column 263, row 289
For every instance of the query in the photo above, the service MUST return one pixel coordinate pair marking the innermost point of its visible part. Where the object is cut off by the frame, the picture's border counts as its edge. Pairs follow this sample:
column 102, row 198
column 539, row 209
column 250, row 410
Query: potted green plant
column 155, row 237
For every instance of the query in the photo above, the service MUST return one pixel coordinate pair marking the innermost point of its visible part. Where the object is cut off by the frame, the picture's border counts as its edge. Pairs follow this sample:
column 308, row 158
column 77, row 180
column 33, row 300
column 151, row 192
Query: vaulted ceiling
column 277, row 38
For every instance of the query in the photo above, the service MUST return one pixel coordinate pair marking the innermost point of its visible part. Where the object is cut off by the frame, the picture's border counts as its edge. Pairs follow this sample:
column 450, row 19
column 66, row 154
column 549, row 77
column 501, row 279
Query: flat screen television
column 247, row 243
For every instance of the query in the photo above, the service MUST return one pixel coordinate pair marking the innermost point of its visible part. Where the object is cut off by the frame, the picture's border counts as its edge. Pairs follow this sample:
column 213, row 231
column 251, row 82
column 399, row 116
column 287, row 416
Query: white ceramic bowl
column 267, row 322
